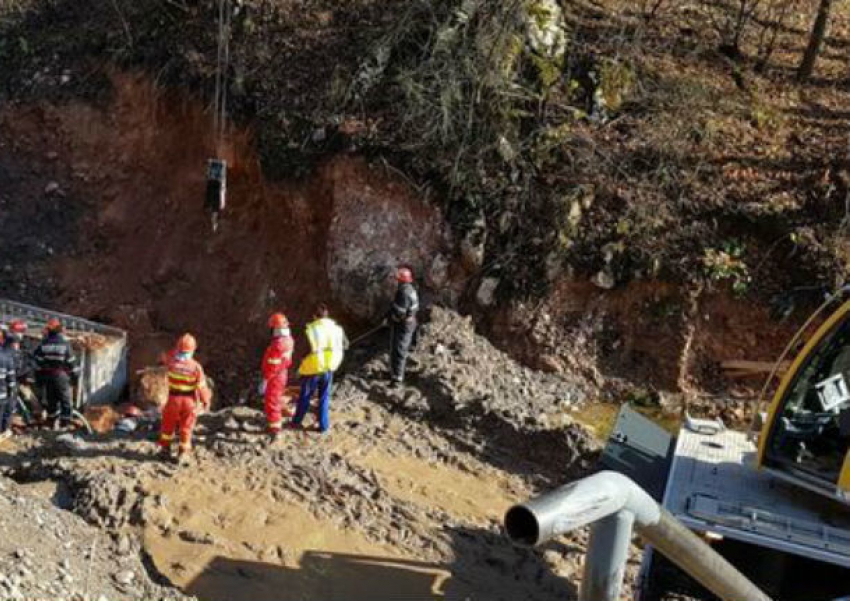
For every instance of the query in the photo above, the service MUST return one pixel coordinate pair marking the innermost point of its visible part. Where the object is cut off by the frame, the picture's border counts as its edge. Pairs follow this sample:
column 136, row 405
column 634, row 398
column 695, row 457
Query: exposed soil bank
column 119, row 232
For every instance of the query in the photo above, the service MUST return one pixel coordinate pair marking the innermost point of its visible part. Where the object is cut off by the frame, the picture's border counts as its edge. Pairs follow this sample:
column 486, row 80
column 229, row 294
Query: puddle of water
column 601, row 417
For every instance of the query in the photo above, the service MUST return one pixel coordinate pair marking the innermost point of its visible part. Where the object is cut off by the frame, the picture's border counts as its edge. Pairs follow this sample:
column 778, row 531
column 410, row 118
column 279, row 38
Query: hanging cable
column 218, row 71
column 225, row 37
column 215, row 199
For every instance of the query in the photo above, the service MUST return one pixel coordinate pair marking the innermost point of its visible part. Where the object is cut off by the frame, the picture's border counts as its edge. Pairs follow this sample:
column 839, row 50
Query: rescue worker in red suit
column 187, row 390
column 276, row 362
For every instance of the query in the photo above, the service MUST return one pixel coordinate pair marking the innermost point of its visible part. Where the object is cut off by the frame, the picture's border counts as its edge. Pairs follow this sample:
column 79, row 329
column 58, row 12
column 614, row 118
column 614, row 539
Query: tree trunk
column 807, row 66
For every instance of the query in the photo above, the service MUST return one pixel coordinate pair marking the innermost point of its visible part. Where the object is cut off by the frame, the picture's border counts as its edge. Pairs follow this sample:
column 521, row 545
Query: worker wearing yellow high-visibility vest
column 327, row 347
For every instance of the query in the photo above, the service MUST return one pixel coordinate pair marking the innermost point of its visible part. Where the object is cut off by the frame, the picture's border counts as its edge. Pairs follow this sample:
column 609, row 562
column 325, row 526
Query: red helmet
column 404, row 275
column 187, row 344
column 53, row 325
column 15, row 330
column 133, row 411
column 277, row 321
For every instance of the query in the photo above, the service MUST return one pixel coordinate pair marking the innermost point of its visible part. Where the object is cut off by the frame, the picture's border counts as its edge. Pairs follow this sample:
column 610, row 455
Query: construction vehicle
column 775, row 500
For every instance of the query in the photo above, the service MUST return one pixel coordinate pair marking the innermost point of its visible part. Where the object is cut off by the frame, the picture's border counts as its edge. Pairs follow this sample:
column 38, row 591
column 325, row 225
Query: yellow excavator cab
column 806, row 436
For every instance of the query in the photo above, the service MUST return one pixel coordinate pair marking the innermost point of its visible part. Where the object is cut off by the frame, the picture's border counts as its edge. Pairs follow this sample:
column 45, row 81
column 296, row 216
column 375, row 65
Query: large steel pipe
column 612, row 502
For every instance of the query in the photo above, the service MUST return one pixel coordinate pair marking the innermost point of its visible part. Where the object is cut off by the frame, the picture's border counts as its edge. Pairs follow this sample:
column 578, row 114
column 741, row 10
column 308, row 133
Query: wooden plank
column 738, row 368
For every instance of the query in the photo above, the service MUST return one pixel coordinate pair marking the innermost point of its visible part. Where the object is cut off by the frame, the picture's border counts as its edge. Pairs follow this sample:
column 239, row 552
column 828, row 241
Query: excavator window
column 812, row 432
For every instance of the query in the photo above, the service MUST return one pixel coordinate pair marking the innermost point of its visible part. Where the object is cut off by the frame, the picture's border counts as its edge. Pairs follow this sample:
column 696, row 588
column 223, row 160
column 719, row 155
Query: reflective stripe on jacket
column 55, row 354
column 23, row 366
column 185, row 376
column 278, row 356
column 406, row 303
column 327, row 347
column 8, row 384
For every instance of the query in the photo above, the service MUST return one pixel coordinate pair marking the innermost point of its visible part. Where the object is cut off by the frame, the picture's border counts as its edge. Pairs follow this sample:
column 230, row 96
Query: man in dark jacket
column 402, row 318
column 12, row 347
column 8, row 391
column 56, row 372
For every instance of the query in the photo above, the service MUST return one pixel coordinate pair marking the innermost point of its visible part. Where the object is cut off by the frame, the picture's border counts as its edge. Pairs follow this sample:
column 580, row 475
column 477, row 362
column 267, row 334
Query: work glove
column 261, row 388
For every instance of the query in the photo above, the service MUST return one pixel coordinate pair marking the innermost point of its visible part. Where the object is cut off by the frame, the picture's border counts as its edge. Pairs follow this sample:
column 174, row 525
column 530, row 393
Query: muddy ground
column 379, row 508
column 403, row 498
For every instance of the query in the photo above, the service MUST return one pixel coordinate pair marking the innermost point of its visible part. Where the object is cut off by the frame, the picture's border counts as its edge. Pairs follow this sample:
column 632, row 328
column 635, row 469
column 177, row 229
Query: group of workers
column 52, row 367
column 54, row 371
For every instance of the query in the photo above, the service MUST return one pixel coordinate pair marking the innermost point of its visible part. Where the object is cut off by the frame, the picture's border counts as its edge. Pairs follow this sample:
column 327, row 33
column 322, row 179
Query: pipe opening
column 521, row 525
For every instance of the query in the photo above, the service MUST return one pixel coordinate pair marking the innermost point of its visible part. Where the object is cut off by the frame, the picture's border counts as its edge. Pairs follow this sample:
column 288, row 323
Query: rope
column 365, row 335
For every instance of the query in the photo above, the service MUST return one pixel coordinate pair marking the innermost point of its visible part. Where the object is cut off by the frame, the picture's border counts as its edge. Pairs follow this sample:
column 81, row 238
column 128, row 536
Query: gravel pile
column 48, row 553
column 463, row 386
column 456, row 361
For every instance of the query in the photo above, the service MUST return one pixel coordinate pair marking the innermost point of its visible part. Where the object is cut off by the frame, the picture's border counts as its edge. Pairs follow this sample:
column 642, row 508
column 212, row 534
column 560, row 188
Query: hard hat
column 187, row 344
column 405, row 275
column 15, row 330
column 277, row 321
column 53, row 325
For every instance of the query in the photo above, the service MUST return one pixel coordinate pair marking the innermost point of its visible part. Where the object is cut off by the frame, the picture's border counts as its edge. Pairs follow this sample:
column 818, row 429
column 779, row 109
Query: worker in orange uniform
column 276, row 362
column 187, row 389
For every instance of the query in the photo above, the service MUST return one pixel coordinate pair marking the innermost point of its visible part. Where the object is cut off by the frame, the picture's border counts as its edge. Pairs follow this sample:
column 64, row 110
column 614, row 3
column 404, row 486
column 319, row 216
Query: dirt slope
column 106, row 210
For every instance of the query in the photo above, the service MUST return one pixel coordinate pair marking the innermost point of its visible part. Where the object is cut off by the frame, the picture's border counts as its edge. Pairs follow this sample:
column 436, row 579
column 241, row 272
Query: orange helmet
column 277, row 321
column 53, row 325
column 405, row 275
column 187, row 344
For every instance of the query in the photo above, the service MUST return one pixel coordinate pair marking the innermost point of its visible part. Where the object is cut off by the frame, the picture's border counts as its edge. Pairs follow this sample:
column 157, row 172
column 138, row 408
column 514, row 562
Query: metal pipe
column 607, row 553
column 607, row 494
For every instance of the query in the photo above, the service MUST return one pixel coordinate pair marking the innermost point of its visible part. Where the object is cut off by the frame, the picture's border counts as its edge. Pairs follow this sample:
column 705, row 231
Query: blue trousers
column 309, row 384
